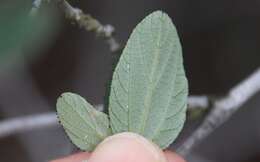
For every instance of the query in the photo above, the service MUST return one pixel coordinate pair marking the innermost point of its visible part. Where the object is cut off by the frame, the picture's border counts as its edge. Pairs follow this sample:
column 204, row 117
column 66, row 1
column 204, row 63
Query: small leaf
column 149, row 87
column 85, row 126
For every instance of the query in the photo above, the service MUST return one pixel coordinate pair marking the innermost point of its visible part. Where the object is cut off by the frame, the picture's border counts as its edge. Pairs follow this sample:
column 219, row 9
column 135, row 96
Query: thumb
column 127, row 147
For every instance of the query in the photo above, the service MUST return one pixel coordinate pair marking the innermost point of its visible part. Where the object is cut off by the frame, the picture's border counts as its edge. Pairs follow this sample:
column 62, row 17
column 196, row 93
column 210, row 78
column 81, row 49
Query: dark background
column 220, row 40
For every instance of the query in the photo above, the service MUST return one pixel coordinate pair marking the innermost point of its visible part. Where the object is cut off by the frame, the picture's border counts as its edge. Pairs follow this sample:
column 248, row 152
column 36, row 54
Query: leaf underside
column 149, row 88
column 85, row 126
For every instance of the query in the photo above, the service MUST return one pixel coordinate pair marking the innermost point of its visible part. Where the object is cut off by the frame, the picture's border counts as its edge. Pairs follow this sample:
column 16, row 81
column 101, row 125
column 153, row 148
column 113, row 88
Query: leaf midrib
column 168, row 104
column 148, row 97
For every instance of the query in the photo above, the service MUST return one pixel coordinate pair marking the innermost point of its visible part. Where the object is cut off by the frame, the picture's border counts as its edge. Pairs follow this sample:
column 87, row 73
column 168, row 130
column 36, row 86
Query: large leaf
column 149, row 88
column 85, row 126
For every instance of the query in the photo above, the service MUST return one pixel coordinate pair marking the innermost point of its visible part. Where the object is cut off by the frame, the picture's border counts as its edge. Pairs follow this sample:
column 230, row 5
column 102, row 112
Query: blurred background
column 42, row 57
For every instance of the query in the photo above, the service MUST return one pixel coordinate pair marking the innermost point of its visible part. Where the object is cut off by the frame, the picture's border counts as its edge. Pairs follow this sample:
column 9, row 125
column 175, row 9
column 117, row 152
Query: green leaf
column 149, row 87
column 85, row 126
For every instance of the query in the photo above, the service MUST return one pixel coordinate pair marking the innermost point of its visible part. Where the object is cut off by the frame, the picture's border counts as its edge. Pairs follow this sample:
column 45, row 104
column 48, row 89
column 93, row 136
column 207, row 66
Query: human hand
column 125, row 147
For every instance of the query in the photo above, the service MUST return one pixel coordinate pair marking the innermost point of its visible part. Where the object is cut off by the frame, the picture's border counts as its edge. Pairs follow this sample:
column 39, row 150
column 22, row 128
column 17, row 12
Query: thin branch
column 222, row 110
column 201, row 102
column 38, row 121
column 22, row 124
column 85, row 21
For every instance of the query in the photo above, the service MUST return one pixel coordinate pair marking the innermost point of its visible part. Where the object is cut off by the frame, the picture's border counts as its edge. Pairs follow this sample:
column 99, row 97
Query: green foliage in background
column 148, row 93
column 21, row 34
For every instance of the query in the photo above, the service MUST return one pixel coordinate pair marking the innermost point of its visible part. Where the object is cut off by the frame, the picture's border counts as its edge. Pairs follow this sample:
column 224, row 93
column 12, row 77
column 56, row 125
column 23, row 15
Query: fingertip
column 127, row 147
column 78, row 157
column 173, row 157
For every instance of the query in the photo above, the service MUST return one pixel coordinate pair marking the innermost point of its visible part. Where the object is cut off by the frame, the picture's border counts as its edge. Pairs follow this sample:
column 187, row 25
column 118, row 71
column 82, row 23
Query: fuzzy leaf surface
column 85, row 126
column 149, row 88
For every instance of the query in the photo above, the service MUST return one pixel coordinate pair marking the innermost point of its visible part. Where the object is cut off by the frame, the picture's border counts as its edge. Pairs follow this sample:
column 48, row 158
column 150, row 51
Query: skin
column 125, row 147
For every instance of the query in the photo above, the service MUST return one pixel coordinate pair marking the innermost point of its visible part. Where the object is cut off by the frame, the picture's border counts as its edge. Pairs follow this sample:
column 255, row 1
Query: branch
column 85, row 21
column 222, row 110
column 201, row 102
column 30, row 122
column 22, row 124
